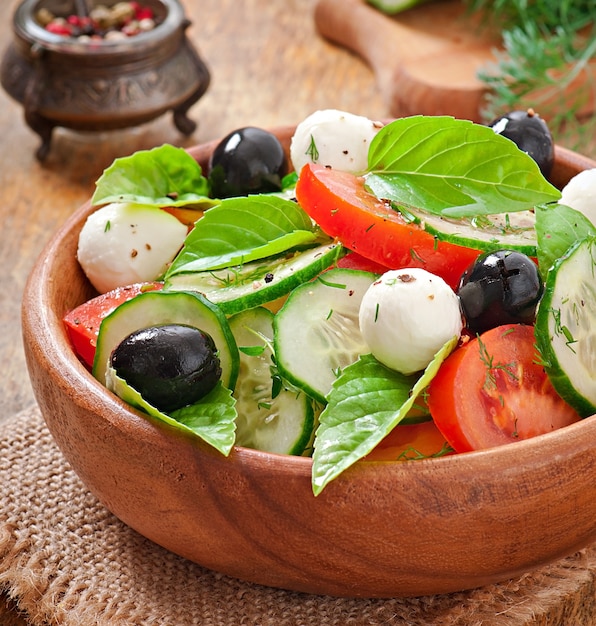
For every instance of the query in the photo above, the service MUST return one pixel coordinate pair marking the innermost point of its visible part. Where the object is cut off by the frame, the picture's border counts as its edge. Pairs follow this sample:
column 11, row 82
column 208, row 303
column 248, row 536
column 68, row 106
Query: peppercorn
column 122, row 20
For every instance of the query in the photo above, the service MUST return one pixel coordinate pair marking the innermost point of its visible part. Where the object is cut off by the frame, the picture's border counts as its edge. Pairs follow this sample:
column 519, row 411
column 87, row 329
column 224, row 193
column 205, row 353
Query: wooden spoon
column 425, row 60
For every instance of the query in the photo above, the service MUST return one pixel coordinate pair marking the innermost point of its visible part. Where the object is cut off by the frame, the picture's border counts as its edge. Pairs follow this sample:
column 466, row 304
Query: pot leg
column 44, row 128
column 182, row 122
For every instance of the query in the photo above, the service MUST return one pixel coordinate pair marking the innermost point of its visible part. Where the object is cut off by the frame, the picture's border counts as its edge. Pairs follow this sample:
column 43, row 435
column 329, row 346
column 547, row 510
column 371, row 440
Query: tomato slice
column 355, row 261
column 344, row 209
column 408, row 442
column 82, row 323
column 187, row 216
column 493, row 391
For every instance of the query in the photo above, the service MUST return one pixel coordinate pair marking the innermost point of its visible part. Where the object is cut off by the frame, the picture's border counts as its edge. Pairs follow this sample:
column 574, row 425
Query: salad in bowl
column 302, row 353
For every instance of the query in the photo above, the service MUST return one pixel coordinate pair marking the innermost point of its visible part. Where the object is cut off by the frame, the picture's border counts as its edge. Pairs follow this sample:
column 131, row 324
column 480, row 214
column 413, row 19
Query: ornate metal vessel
column 102, row 85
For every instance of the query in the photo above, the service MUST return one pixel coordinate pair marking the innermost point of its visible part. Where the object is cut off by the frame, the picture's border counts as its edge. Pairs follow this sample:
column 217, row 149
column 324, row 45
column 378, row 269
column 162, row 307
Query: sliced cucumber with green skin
column 156, row 308
column 317, row 332
column 505, row 231
column 395, row 6
column 566, row 326
column 283, row 424
column 235, row 289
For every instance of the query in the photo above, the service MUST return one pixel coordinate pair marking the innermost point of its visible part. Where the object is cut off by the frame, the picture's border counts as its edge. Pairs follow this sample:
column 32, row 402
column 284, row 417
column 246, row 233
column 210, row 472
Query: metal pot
column 102, row 85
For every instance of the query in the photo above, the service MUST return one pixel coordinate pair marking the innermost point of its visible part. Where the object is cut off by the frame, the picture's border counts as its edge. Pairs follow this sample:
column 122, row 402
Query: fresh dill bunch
column 545, row 64
column 549, row 15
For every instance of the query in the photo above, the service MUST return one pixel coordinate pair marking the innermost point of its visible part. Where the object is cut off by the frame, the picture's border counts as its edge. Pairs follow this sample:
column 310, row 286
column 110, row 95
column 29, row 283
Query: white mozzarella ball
column 123, row 243
column 406, row 316
column 580, row 194
column 334, row 139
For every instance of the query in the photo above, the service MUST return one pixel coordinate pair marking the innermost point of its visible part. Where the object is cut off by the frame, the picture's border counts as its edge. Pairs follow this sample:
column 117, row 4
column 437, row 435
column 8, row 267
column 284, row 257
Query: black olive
column 531, row 134
column 171, row 366
column 248, row 161
column 501, row 287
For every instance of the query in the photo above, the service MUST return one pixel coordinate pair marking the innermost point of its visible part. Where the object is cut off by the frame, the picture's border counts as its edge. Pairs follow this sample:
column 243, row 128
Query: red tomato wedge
column 342, row 207
column 187, row 216
column 355, row 261
column 493, row 391
column 408, row 442
column 82, row 323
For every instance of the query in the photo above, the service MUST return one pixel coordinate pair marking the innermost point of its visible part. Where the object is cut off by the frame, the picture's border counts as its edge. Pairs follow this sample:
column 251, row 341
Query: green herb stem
column 547, row 62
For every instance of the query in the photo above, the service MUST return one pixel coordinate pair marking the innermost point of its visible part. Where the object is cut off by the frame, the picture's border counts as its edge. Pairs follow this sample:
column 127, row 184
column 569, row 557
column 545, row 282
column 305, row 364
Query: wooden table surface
column 269, row 67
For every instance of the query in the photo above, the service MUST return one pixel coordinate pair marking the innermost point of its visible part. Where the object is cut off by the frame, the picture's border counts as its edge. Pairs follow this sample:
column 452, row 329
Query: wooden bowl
column 380, row 530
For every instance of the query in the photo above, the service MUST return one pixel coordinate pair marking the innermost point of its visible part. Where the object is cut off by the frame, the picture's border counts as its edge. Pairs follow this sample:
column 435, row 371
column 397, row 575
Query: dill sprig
column 545, row 63
column 549, row 15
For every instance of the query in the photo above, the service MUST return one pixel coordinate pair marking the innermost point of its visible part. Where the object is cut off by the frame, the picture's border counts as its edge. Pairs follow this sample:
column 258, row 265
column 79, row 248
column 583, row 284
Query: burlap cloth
column 67, row 560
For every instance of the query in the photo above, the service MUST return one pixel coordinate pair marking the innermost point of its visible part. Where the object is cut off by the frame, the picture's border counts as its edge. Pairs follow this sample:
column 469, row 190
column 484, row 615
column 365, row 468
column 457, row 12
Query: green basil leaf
column 288, row 182
column 557, row 228
column 162, row 176
column 366, row 402
column 454, row 168
column 213, row 418
column 244, row 229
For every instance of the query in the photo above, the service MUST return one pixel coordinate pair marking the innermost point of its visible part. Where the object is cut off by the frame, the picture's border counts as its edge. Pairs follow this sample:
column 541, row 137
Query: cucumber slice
column 235, row 289
column 317, row 331
column 510, row 231
column 395, row 6
column 566, row 326
column 284, row 424
column 154, row 308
